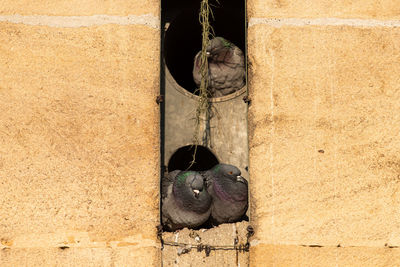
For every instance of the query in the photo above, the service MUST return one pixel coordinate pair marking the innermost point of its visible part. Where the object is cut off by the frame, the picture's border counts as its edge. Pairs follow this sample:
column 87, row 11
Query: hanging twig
column 203, row 106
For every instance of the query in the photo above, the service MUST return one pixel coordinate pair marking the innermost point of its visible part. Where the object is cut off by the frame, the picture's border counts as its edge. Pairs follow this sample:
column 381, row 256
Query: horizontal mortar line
column 82, row 21
column 275, row 22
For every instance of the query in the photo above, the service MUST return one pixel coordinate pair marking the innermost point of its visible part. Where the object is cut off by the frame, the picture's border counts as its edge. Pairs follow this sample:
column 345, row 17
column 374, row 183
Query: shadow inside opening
column 181, row 159
column 183, row 37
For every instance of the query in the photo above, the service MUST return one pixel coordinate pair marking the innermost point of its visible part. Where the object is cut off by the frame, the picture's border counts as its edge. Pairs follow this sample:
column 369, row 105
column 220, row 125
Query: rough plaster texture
column 324, row 130
column 80, row 8
column 79, row 145
column 381, row 9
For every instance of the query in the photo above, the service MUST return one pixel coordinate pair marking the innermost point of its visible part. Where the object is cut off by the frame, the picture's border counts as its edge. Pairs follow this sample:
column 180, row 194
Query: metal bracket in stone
column 159, row 99
column 247, row 100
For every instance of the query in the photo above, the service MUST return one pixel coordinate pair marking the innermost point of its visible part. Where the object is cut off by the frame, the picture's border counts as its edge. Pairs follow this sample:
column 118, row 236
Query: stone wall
column 324, row 129
column 79, row 133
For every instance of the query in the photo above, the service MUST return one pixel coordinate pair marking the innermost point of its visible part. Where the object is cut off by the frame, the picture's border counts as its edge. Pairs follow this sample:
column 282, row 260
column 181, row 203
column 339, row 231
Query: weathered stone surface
column 79, row 8
column 324, row 128
column 281, row 255
column 79, row 135
column 99, row 257
column 376, row 9
column 79, row 138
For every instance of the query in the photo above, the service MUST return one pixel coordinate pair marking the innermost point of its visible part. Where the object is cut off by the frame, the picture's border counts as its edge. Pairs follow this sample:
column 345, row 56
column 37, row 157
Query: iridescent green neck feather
column 182, row 177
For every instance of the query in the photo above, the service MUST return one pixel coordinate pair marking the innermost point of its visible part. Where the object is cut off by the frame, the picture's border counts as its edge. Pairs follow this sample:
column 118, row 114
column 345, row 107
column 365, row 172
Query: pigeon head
column 219, row 50
column 218, row 43
column 189, row 187
column 189, row 179
column 230, row 172
column 228, row 183
column 196, row 183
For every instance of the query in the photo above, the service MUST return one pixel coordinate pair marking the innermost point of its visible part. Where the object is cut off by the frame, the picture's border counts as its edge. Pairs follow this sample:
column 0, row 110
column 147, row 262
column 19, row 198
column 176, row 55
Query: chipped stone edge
column 299, row 22
column 82, row 21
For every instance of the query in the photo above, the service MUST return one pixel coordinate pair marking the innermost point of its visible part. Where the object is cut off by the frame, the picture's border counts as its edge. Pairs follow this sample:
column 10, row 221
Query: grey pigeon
column 229, row 193
column 225, row 66
column 185, row 200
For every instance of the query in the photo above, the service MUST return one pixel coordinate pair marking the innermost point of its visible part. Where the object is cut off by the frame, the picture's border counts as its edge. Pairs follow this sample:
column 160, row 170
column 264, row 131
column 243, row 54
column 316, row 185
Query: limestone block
column 91, row 257
column 375, row 9
column 324, row 130
column 79, row 131
column 298, row 256
column 79, row 8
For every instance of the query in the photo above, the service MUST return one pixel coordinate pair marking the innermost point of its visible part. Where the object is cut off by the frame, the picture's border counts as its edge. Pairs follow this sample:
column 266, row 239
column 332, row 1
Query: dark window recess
column 182, row 158
column 183, row 36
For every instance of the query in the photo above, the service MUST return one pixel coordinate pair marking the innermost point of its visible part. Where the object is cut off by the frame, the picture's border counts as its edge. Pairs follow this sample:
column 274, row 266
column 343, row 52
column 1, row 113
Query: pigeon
column 229, row 192
column 185, row 200
column 225, row 66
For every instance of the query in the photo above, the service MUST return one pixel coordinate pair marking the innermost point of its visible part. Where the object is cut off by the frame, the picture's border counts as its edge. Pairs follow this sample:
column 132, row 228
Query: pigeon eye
column 230, row 173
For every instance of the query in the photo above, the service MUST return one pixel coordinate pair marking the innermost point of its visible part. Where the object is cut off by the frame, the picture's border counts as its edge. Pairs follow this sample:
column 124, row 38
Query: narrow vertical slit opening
column 181, row 41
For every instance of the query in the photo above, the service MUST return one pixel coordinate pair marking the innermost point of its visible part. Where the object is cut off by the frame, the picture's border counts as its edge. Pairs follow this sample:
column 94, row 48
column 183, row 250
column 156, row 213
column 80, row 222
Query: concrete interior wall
column 324, row 129
column 79, row 133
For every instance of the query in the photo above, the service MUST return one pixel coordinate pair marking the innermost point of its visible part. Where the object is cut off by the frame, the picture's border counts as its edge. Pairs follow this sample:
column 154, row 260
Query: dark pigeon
column 229, row 191
column 225, row 65
column 185, row 200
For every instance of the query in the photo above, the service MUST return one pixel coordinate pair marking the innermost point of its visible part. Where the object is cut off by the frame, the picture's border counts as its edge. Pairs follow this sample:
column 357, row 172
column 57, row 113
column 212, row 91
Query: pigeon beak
column 240, row 179
column 208, row 54
column 196, row 192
